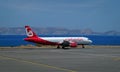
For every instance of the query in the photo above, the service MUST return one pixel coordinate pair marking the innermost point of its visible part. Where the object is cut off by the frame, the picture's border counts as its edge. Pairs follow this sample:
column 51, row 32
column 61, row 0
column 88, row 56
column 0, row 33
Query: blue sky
column 98, row 15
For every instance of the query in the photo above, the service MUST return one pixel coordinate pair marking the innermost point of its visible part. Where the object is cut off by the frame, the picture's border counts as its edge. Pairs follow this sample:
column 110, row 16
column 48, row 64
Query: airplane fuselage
column 78, row 40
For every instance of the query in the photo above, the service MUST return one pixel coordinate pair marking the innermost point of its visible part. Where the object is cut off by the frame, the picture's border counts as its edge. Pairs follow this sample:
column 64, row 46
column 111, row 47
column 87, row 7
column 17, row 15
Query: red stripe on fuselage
column 40, row 41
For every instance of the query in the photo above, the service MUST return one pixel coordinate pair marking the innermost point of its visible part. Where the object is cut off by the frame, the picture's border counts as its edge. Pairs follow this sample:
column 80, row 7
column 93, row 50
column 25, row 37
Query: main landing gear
column 83, row 46
column 63, row 47
column 58, row 47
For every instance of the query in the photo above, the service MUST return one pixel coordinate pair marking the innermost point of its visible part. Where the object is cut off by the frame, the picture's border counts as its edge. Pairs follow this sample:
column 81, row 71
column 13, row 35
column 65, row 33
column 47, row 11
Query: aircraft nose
column 90, row 41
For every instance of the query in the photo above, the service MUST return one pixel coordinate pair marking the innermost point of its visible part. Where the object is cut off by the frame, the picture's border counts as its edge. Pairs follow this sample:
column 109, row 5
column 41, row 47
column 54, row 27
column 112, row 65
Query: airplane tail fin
column 30, row 32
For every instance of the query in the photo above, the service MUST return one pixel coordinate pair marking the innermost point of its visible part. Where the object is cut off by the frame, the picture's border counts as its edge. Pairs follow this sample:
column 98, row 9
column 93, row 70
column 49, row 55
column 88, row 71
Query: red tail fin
column 29, row 32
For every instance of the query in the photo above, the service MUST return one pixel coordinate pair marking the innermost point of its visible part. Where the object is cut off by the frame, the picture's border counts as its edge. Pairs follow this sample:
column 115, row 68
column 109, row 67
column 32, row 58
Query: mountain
column 54, row 31
column 112, row 33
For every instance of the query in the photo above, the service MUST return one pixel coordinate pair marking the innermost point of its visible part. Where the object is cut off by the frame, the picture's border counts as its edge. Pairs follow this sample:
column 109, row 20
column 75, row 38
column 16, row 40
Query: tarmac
column 60, row 60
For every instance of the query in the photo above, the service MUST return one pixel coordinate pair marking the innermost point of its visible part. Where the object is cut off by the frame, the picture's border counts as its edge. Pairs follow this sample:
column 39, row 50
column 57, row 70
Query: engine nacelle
column 65, row 43
column 73, row 44
column 68, row 44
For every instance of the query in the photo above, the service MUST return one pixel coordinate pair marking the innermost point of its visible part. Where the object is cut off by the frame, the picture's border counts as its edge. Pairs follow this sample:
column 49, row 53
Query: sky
column 98, row 15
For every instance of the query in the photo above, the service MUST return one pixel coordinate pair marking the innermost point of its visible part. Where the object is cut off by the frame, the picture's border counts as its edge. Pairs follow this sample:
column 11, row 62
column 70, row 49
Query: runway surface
column 60, row 60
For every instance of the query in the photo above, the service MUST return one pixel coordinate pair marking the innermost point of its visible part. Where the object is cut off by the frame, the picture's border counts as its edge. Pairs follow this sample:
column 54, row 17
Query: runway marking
column 39, row 64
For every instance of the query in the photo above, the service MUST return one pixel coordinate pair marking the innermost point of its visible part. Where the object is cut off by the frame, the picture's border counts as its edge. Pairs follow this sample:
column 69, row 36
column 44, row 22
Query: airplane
column 60, row 42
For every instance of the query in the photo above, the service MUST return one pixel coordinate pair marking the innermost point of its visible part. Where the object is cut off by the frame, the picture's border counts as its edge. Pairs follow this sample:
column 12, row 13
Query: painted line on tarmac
column 39, row 64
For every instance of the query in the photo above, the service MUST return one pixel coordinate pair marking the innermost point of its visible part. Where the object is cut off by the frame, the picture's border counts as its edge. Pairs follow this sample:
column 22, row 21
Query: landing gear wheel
column 83, row 46
column 58, row 47
column 63, row 47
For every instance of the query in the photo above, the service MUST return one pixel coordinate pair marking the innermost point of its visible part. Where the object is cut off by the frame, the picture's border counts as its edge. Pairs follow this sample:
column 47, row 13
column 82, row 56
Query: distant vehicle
column 60, row 42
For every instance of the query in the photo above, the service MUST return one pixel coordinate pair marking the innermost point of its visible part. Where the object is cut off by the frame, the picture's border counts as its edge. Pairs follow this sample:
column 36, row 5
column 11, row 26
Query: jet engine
column 67, row 43
column 73, row 44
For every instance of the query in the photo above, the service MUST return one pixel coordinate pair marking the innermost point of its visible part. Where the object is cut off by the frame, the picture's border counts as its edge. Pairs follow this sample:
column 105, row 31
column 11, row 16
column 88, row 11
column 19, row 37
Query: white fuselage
column 78, row 40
